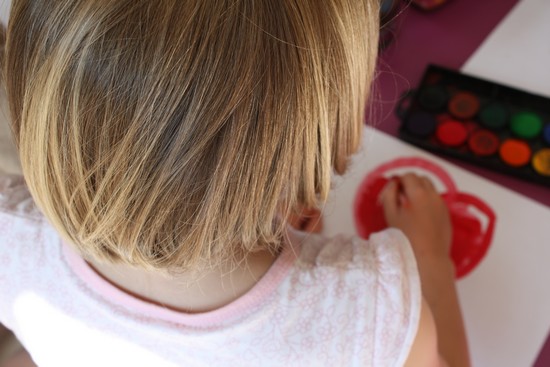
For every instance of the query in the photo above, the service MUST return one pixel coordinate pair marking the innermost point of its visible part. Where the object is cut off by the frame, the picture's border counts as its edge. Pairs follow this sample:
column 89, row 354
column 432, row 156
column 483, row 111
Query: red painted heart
column 471, row 238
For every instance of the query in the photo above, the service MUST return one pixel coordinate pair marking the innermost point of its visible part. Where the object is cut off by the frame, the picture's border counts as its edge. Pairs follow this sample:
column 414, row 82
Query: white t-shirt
column 341, row 301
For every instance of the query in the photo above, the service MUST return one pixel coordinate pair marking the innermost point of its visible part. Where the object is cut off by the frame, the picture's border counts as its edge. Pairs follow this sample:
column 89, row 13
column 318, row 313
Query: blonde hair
column 170, row 134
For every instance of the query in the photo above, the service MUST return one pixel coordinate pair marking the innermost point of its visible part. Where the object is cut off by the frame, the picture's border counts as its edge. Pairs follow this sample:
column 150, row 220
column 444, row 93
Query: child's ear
column 307, row 220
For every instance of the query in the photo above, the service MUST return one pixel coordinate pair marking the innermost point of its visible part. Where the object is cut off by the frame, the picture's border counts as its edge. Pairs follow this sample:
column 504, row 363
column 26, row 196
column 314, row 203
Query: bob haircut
column 177, row 135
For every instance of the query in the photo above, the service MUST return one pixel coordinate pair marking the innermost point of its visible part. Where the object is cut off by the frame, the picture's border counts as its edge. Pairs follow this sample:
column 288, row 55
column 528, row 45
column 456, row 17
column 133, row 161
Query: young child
column 164, row 146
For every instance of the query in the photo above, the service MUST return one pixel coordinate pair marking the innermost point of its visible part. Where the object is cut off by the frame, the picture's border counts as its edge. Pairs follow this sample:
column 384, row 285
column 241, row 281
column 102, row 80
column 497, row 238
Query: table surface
column 458, row 28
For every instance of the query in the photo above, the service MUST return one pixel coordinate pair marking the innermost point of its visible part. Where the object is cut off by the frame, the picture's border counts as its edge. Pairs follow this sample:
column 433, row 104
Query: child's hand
column 412, row 205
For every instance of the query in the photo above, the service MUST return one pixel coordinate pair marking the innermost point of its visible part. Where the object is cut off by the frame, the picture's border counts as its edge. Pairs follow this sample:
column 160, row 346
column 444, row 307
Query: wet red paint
column 470, row 240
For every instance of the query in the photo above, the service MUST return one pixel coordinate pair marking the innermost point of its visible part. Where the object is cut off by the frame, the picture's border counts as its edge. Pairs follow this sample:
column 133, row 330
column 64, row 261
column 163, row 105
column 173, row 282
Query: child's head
column 170, row 134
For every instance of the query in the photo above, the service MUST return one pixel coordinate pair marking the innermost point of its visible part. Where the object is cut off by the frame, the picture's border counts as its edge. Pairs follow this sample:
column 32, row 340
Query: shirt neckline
column 237, row 308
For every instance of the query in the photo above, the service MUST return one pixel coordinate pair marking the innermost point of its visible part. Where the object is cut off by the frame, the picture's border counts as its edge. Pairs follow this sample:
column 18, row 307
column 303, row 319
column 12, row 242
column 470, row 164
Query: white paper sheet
column 506, row 299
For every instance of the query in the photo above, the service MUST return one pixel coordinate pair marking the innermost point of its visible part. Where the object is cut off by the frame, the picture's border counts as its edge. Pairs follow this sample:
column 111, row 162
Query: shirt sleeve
column 398, row 297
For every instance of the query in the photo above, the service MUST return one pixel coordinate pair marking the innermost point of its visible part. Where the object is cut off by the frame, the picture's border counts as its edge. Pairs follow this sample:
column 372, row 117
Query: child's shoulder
column 383, row 267
column 388, row 250
column 16, row 202
column 371, row 284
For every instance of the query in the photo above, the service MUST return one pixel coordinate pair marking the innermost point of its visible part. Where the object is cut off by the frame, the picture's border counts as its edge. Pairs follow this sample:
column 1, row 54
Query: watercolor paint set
column 482, row 122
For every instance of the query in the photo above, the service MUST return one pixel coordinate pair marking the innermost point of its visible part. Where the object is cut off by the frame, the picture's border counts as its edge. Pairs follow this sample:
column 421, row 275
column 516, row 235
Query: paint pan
column 482, row 122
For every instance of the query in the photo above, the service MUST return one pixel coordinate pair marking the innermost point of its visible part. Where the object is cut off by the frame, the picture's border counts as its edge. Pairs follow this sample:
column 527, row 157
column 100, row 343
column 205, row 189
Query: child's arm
column 413, row 205
column 17, row 358
column 424, row 351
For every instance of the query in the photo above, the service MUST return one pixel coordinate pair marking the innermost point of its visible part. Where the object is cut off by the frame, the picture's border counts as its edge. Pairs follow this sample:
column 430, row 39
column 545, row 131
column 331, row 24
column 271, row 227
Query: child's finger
column 389, row 198
column 428, row 183
column 411, row 184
